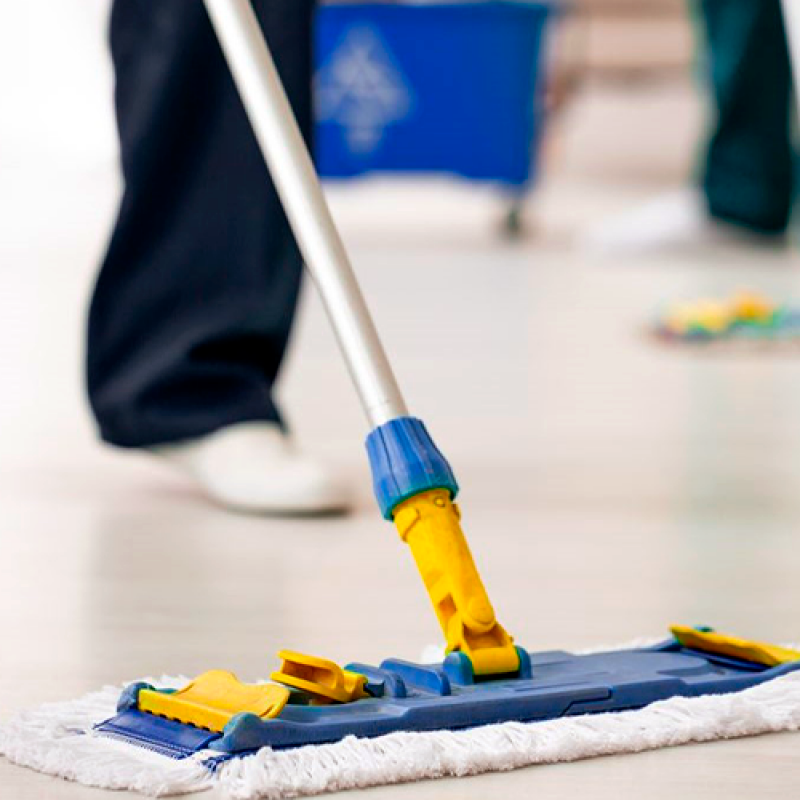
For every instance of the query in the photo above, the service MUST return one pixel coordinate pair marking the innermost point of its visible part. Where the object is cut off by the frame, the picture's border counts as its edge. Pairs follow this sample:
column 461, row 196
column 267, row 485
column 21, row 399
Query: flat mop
column 485, row 678
column 319, row 726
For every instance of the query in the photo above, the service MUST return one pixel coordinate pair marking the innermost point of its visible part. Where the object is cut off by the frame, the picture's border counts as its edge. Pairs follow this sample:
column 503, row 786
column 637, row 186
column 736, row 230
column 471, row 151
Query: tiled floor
column 610, row 487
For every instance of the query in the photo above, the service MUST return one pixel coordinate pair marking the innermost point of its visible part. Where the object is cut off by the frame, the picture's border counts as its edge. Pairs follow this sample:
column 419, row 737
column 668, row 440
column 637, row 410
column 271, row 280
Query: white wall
column 55, row 82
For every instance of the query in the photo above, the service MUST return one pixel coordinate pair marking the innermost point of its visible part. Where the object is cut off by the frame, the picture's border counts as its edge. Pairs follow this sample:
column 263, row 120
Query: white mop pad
column 54, row 739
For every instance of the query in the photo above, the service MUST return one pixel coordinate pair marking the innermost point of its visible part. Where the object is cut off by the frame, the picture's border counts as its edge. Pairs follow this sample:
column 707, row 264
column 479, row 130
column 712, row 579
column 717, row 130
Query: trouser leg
column 194, row 302
column 748, row 175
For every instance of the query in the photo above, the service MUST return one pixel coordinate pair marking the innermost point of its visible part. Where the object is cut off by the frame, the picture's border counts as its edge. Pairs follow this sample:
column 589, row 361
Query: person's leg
column 193, row 305
column 748, row 173
column 743, row 196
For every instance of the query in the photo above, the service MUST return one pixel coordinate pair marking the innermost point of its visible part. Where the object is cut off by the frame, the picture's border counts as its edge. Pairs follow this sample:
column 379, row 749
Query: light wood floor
column 609, row 487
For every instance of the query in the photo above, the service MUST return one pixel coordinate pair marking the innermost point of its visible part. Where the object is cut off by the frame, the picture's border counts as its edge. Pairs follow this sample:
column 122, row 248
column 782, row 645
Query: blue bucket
column 436, row 88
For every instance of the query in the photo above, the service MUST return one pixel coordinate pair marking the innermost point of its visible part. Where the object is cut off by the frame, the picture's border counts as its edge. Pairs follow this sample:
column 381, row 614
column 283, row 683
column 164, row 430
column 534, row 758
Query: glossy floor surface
column 610, row 486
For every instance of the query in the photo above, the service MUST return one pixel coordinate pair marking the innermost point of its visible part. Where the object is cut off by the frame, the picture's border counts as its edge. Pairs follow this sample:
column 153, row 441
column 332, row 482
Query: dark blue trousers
column 194, row 302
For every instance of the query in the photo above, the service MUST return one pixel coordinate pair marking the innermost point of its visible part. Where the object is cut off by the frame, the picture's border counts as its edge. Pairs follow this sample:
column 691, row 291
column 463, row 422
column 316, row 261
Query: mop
column 488, row 705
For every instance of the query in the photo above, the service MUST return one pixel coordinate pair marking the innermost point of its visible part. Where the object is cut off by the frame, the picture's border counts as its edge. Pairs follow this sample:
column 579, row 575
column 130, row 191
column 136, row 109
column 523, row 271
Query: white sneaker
column 253, row 467
column 676, row 221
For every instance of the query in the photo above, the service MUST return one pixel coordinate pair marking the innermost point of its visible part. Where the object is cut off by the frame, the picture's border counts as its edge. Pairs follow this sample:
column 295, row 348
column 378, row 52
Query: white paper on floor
column 56, row 739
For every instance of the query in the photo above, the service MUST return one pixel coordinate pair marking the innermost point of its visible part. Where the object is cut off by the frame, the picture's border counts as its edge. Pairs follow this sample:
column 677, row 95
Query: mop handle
column 298, row 186
column 414, row 484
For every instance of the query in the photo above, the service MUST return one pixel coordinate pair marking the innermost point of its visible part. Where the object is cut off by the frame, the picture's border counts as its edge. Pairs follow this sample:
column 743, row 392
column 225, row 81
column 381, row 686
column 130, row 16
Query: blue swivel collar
column 405, row 462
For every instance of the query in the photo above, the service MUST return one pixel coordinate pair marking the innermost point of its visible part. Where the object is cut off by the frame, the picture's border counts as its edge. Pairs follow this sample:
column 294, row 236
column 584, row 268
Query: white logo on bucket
column 361, row 89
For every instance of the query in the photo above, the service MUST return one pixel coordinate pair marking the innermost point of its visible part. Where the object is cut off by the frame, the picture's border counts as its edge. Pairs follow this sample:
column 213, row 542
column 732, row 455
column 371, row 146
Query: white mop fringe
column 50, row 739
column 400, row 757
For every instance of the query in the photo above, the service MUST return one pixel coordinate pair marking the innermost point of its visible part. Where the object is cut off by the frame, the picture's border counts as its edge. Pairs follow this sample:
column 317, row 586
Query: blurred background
column 611, row 484
column 618, row 114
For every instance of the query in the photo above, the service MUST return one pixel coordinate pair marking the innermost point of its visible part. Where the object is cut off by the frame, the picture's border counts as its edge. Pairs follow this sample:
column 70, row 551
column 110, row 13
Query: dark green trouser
column 748, row 175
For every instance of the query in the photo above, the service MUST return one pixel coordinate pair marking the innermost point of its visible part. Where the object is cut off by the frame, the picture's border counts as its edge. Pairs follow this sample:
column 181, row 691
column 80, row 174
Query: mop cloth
column 56, row 739
column 747, row 319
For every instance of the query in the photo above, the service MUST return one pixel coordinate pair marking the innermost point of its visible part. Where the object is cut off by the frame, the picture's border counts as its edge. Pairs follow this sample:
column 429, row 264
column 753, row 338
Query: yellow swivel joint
column 430, row 523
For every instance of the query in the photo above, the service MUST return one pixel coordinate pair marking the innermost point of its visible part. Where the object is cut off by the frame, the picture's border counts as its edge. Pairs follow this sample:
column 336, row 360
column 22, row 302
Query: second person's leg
column 748, row 173
column 746, row 183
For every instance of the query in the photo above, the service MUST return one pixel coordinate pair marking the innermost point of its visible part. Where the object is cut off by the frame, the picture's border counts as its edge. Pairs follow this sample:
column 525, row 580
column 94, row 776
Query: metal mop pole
column 295, row 178
column 414, row 484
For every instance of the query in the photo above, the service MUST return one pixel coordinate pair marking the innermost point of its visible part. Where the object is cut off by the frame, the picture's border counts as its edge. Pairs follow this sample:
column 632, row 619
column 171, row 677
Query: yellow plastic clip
column 430, row 523
column 212, row 698
column 324, row 680
column 770, row 655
